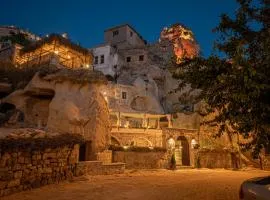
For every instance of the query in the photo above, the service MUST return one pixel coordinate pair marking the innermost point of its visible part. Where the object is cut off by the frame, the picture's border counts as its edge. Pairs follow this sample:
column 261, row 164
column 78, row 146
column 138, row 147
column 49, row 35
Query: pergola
column 139, row 115
column 54, row 47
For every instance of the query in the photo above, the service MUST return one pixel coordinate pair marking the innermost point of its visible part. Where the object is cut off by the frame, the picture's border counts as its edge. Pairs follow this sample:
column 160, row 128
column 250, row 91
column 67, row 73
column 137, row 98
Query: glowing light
column 125, row 147
column 127, row 124
column 56, row 52
column 87, row 65
column 184, row 44
column 194, row 143
column 68, row 56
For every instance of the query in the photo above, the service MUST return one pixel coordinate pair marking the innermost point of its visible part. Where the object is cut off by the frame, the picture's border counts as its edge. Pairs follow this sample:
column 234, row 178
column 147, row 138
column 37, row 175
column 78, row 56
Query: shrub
column 40, row 143
column 173, row 162
column 137, row 149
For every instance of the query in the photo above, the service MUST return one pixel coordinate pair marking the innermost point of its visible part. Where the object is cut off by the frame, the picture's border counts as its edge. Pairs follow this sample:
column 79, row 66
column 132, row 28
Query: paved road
column 194, row 184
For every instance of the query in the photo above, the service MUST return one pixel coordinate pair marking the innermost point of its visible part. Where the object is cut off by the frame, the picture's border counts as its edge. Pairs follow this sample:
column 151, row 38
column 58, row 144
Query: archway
column 182, row 151
column 114, row 141
column 85, row 151
column 141, row 142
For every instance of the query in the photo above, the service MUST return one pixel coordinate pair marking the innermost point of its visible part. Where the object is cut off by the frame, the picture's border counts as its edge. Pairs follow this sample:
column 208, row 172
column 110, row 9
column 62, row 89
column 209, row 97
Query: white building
column 105, row 59
column 106, row 56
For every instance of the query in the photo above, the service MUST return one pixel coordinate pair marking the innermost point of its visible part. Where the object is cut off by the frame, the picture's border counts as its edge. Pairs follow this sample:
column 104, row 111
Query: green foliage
column 18, row 77
column 137, row 149
column 39, row 144
column 237, row 85
column 78, row 76
column 173, row 162
column 19, row 38
column 198, row 162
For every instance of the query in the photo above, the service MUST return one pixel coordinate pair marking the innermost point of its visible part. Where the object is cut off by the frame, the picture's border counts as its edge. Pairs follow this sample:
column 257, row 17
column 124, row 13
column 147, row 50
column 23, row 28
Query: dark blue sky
column 85, row 20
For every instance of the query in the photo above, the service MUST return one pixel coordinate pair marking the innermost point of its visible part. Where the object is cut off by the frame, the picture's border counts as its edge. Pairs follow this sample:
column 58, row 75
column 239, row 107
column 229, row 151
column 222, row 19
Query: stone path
column 147, row 185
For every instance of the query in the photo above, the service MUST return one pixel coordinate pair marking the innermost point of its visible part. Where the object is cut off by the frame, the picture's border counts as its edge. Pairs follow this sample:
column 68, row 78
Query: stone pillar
column 169, row 117
column 144, row 124
column 118, row 119
column 158, row 123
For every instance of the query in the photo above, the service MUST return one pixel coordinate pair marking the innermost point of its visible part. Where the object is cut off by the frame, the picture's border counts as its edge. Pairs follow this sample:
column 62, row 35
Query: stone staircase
column 178, row 159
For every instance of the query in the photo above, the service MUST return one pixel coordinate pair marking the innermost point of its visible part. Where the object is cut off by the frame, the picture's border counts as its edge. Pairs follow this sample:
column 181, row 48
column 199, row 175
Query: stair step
column 183, row 167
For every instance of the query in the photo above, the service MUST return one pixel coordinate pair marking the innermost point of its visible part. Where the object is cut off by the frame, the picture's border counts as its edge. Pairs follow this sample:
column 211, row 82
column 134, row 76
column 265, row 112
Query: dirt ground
column 147, row 185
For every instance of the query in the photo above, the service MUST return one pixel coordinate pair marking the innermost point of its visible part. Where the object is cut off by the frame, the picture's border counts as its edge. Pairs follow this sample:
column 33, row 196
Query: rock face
column 65, row 106
column 182, row 38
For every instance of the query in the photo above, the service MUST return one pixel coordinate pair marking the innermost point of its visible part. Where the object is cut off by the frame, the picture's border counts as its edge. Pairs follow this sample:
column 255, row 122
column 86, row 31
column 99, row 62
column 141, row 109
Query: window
column 101, row 59
column 96, row 60
column 124, row 95
column 115, row 33
column 131, row 33
column 141, row 57
column 128, row 59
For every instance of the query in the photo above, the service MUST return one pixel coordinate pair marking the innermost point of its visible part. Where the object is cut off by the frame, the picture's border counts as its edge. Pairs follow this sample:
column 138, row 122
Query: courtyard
column 147, row 185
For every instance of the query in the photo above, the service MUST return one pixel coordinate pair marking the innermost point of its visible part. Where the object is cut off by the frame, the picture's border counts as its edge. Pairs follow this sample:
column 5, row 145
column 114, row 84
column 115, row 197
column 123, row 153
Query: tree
column 16, row 38
column 235, row 83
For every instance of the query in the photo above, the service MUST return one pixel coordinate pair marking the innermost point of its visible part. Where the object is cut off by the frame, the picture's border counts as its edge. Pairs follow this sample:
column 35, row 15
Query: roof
column 122, row 25
column 51, row 38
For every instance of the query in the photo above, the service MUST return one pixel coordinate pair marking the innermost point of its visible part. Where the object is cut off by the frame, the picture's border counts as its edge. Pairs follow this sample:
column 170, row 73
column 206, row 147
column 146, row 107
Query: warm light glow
column 125, row 147
column 56, row 52
column 184, row 44
column 193, row 143
column 68, row 56
column 87, row 65
column 127, row 124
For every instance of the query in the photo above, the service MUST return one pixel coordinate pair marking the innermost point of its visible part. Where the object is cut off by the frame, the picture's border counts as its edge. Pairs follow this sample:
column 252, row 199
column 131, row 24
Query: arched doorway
column 85, row 151
column 182, row 151
column 115, row 142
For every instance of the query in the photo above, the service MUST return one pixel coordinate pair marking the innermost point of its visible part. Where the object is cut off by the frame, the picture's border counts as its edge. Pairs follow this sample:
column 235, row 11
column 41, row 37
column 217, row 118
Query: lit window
column 141, row 57
column 115, row 33
column 124, row 95
column 96, row 60
column 101, row 59
column 128, row 59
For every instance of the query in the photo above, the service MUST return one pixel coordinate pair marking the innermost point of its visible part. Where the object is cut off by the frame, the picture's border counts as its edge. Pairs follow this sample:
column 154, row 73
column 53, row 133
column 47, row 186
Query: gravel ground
column 147, row 185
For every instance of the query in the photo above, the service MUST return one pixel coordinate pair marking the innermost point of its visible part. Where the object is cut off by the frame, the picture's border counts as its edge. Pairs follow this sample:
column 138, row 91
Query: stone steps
column 178, row 157
column 183, row 167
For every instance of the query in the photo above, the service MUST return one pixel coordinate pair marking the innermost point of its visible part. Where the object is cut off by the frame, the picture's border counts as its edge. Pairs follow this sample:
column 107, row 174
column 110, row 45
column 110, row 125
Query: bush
column 137, row 149
column 173, row 162
column 39, row 144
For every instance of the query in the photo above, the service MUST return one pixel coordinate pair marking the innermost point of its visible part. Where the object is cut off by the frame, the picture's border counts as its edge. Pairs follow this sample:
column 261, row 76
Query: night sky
column 85, row 20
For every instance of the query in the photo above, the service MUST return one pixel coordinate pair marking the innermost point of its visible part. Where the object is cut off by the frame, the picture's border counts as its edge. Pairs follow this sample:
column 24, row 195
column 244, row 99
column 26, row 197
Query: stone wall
column 22, row 170
column 216, row 159
column 97, row 168
column 142, row 160
column 105, row 157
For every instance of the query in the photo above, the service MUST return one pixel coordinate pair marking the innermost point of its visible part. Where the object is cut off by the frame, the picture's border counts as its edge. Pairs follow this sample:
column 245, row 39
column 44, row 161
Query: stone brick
column 18, row 174
column 14, row 183
column 3, row 185
column 21, row 160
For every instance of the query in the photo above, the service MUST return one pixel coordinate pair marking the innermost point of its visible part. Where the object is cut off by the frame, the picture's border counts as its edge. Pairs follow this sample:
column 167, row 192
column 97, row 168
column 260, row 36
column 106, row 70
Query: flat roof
column 122, row 25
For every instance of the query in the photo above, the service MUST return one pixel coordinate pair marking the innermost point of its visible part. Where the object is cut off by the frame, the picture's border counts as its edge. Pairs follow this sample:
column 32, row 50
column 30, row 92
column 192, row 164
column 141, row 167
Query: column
column 169, row 118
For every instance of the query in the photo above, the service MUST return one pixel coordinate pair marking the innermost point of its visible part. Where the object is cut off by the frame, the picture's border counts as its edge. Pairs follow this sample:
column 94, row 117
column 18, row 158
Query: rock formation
column 65, row 101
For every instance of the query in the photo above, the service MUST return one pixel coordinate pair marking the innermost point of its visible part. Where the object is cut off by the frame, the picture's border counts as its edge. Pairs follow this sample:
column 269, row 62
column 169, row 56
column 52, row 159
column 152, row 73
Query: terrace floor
column 147, row 185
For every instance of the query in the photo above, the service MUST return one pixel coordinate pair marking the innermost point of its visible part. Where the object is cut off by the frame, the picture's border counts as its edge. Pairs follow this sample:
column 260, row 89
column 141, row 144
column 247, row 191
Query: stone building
column 143, row 112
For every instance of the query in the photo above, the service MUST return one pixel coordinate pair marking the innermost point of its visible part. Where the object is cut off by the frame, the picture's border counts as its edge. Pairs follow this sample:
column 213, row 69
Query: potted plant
column 173, row 162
